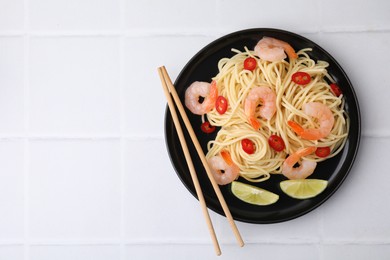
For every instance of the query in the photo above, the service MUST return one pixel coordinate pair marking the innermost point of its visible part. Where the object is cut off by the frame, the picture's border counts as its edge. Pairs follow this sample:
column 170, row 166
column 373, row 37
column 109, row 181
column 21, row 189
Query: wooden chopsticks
column 170, row 91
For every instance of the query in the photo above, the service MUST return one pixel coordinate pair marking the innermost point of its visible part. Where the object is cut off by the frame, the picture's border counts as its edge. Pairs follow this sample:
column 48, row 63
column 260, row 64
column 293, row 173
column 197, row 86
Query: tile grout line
column 135, row 33
column 255, row 242
column 82, row 137
column 127, row 137
column 131, row 242
column 321, row 234
column 27, row 163
column 122, row 129
column 158, row 33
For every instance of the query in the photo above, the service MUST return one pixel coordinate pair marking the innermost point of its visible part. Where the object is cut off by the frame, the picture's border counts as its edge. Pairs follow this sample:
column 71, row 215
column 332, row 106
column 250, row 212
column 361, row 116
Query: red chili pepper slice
column 336, row 89
column 276, row 142
column 250, row 63
column 323, row 151
column 207, row 127
column 301, row 78
column 248, row 146
column 221, row 105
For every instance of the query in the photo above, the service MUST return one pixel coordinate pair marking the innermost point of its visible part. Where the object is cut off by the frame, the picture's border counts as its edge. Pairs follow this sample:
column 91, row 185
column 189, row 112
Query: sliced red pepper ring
column 221, row 105
column 207, row 128
column 301, row 78
column 276, row 142
column 336, row 89
column 248, row 146
column 323, row 151
column 250, row 63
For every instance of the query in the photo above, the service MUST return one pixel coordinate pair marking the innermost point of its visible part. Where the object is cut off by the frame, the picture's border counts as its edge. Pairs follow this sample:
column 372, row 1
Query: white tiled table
column 84, row 171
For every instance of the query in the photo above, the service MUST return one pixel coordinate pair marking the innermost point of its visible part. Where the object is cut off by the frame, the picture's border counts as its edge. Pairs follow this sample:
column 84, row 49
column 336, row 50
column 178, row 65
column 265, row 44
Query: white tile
column 74, row 15
column 171, row 15
column 284, row 14
column 75, row 252
column 311, row 36
column 11, row 82
column 74, row 189
column 358, row 211
column 356, row 252
column 249, row 251
column 366, row 72
column 157, row 205
column 300, row 230
column 354, row 15
column 74, row 85
column 11, row 15
column 169, row 251
column 11, row 190
column 142, row 88
column 11, row 252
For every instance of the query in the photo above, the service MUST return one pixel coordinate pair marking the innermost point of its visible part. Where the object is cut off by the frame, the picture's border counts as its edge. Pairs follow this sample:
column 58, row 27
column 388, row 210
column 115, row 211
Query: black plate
column 202, row 67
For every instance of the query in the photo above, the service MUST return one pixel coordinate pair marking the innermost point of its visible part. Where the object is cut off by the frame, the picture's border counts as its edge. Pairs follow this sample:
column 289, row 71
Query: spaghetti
column 235, row 83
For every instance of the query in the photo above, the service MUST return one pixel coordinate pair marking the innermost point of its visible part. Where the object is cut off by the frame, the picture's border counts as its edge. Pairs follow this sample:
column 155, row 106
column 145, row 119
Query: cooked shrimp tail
column 223, row 168
column 198, row 91
column 306, row 167
column 271, row 49
column 325, row 119
column 259, row 95
column 296, row 127
column 254, row 122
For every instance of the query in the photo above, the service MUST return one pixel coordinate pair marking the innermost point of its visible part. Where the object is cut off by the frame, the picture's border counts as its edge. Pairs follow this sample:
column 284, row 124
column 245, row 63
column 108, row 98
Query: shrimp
column 223, row 168
column 306, row 167
column 271, row 49
column 325, row 119
column 267, row 110
column 197, row 90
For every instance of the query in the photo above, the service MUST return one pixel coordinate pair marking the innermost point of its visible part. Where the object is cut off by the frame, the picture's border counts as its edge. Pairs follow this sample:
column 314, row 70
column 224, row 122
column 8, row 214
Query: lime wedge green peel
column 303, row 189
column 253, row 195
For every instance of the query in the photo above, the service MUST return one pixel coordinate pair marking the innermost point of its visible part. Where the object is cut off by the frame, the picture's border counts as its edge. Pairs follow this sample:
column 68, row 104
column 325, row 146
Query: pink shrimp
column 325, row 119
column 306, row 167
column 223, row 168
column 197, row 90
column 258, row 95
column 271, row 49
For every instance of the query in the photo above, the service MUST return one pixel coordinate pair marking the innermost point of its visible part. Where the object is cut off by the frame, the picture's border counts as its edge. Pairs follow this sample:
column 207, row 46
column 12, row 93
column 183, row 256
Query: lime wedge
column 253, row 195
column 303, row 189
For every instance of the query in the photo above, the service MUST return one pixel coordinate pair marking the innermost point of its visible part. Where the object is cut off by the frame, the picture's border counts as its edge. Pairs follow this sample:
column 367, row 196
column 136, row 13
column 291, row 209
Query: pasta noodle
column 234, row 83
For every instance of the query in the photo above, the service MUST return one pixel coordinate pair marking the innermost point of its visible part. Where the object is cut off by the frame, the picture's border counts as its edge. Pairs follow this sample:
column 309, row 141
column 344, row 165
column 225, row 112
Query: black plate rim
column 354, row 97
